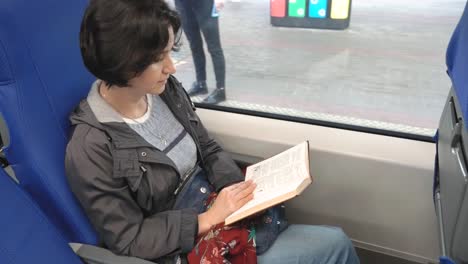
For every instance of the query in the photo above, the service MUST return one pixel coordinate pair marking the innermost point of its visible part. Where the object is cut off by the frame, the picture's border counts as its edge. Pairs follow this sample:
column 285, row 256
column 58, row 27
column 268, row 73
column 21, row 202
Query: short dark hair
column 119, row 39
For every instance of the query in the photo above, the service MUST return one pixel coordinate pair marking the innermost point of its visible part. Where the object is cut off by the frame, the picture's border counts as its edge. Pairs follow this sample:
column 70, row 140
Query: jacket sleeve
column 113, row 212
column 221, row 168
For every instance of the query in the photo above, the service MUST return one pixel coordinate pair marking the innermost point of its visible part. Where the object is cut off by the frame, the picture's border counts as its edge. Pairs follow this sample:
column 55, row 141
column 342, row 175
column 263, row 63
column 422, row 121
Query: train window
column 386, row 72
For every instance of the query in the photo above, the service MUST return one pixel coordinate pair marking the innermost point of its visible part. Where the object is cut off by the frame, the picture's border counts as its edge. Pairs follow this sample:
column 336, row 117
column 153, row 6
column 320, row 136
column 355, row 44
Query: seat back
column 27, row 236
column 453, row 150
column 42, row 78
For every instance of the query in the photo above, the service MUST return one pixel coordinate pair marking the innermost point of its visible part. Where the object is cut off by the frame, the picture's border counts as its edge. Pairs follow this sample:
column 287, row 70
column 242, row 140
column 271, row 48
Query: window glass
column 385, row 71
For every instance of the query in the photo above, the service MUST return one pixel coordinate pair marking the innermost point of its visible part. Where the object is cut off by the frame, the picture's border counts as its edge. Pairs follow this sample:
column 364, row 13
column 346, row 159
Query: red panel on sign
column 278, row 8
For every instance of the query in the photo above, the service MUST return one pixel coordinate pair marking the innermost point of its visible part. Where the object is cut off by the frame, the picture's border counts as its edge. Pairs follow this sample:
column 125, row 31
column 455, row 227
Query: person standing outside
column 202, row 17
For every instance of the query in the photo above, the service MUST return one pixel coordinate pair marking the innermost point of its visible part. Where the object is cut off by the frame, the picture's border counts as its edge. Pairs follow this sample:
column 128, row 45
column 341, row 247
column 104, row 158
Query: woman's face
column 153, row 80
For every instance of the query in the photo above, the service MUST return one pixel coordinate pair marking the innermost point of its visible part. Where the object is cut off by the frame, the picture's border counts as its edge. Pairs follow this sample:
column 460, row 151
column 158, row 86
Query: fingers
column 236, row 195
column 243, row 193
column 244, row 200
column 233, row 188
column 245, row 190
column 238, row 187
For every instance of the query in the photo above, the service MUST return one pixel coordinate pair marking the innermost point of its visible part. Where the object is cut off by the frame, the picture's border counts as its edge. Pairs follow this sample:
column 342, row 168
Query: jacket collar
column 97, row 113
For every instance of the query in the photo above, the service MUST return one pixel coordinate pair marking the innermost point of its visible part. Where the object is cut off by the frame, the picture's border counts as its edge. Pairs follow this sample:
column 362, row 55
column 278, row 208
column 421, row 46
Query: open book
column 278, row 179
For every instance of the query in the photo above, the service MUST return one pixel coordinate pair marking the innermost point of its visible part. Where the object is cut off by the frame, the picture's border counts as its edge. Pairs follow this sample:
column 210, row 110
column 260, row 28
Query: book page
column 278, row 179
column 279, row 172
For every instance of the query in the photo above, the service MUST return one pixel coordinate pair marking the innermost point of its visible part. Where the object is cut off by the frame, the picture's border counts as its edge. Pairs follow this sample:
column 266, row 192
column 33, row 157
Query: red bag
column 225, row 244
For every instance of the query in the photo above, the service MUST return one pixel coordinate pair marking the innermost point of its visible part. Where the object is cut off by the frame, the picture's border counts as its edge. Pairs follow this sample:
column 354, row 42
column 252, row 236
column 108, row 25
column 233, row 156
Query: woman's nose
column 169, row 66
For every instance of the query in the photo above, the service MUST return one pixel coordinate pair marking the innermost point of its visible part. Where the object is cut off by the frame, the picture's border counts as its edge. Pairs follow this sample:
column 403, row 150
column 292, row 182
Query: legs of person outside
column 309, row 244
column 193, row 33
column 209, row 25
column 199, row 16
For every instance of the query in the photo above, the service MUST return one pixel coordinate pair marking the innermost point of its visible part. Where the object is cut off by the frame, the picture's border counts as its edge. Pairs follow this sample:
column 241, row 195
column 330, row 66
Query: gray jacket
column 126, row 186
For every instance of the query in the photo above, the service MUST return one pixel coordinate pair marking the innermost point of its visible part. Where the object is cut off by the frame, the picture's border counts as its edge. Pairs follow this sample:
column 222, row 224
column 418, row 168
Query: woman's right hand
column 229, row 200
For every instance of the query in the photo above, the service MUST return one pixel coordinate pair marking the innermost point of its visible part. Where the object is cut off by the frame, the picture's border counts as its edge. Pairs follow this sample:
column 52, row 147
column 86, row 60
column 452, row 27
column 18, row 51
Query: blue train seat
column 27, row 236
column 42, row 78
column 452, row 175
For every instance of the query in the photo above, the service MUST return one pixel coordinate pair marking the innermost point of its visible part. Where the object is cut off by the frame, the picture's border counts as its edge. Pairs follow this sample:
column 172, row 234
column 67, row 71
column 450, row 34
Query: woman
column 136, row 136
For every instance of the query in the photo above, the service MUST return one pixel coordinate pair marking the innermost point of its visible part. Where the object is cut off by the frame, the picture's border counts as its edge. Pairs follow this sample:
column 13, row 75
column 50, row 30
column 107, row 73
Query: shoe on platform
column 216, row 96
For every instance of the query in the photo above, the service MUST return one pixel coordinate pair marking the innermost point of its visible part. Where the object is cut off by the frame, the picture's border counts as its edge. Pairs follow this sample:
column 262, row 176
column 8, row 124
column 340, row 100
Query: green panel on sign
column 297, row 8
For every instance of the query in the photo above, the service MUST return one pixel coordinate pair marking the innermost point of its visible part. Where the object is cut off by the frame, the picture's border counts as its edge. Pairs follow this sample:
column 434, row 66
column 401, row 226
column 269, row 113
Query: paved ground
column 389, row 66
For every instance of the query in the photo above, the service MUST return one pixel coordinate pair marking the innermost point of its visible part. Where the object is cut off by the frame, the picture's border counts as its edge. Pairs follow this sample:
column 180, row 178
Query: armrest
column 97, row 255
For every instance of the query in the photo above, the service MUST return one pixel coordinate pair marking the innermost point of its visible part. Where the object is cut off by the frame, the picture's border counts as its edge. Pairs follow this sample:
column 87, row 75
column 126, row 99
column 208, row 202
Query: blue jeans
column 308, row 244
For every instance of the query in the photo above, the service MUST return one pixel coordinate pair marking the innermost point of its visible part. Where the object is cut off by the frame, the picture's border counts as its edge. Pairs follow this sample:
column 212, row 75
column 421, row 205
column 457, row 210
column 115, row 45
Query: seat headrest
column 457, row 62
